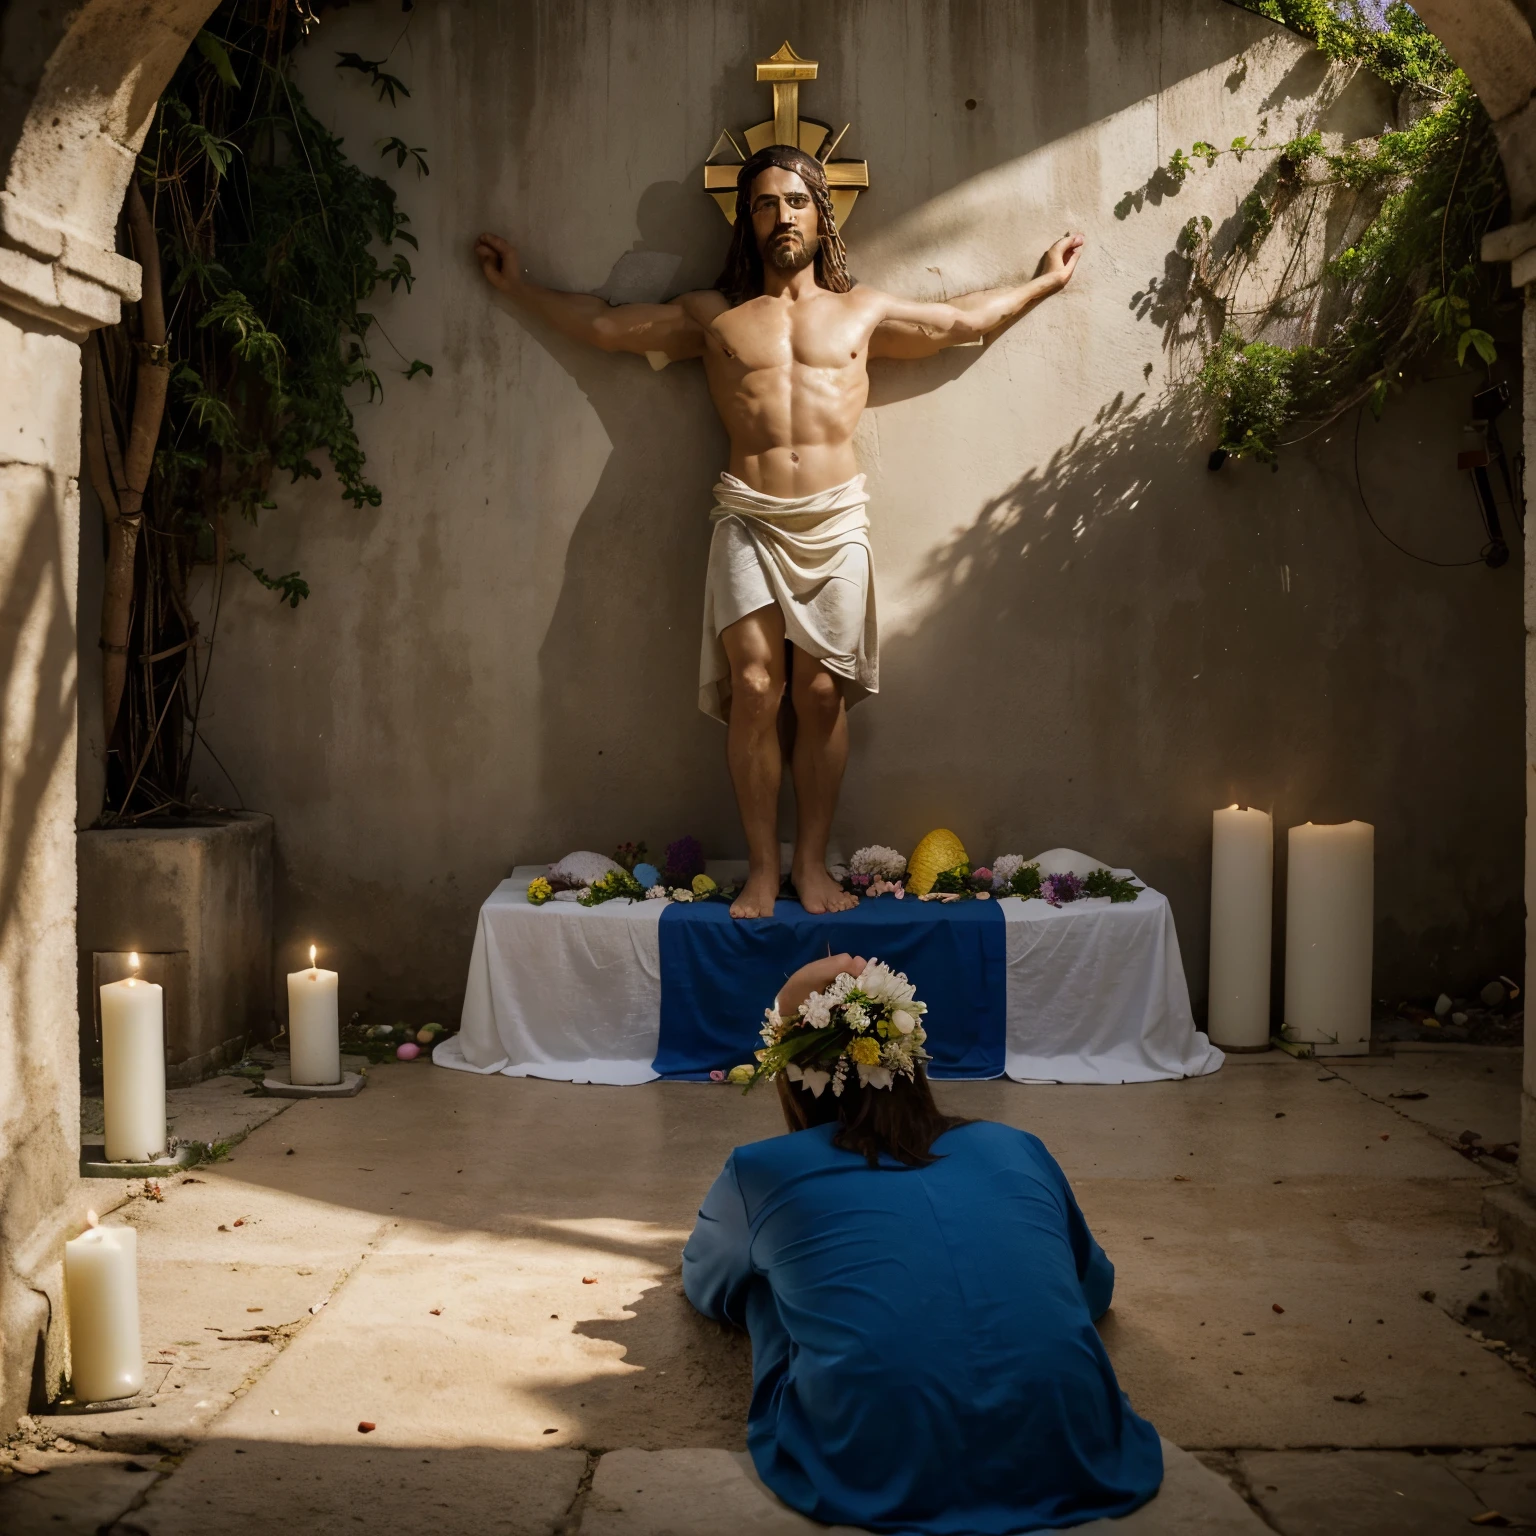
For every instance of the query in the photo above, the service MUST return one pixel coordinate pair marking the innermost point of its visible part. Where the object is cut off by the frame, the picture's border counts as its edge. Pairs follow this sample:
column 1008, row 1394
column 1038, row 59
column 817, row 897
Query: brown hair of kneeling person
column 901, row 1121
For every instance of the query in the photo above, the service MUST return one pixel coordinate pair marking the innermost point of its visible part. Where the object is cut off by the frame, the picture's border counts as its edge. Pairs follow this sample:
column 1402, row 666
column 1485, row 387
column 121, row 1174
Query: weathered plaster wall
column 1088, row 638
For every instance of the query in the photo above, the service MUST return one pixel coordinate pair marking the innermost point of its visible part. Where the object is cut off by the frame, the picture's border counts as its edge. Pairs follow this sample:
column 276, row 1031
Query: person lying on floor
column 920, row 1290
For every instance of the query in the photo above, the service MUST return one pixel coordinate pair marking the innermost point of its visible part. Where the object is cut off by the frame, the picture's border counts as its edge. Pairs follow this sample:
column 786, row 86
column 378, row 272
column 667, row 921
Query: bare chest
column 764, row 334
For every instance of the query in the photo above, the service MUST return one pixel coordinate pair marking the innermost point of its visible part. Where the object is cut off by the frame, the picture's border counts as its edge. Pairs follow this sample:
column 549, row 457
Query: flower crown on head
column 871, row 1022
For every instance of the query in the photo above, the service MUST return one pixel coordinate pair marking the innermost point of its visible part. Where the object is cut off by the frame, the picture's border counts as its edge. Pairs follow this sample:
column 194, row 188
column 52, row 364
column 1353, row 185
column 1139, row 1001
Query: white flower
column 656, row 893
column 885, row 987
column 1004, row 867
column 854, row 1016
column 815, row 1081
column 903, row 1022
column 874, row 1077
column 816, row 1010
column 841, row 986
column 878, row 860
column 839, row 872
column 681, row 893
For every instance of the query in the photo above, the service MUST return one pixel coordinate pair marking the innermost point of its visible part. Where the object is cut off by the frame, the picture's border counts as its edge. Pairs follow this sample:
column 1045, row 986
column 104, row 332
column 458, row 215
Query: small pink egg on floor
column 409, row 1051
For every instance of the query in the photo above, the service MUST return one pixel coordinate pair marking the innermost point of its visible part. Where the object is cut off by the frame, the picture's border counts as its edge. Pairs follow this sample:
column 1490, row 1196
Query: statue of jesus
column 786, row 338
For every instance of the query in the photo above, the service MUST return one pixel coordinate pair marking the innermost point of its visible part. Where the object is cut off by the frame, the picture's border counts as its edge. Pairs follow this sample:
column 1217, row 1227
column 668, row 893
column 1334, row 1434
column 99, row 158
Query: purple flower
column 1060, row 889
column 685, row 859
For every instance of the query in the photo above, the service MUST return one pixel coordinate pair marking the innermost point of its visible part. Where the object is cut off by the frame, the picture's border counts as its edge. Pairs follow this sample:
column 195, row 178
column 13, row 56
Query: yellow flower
column 739, row 1075
column 539, row 891
column 866, row 1051
column 703, row 885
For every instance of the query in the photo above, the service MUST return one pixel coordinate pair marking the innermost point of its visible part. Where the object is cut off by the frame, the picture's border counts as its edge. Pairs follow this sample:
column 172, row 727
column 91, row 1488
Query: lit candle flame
column 92, row 1219
column 312, row 959
column 133, row 960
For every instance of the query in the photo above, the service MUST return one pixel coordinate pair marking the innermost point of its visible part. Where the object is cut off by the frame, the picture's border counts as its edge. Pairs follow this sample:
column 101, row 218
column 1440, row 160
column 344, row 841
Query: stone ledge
column 705, row 1492
column 47, row 291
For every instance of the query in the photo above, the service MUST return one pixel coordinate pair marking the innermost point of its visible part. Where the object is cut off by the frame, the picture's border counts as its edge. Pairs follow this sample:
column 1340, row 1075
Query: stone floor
column 486, row 1271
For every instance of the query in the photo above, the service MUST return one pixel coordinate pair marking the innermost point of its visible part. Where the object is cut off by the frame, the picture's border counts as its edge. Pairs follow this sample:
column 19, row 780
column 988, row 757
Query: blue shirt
column 923, row 1351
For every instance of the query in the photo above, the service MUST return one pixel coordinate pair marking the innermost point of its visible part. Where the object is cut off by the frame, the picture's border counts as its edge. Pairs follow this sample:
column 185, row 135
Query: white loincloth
column 811, row 556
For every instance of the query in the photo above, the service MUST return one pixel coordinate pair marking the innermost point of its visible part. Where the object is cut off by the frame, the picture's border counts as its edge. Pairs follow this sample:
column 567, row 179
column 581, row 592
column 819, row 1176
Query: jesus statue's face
column 784, row 220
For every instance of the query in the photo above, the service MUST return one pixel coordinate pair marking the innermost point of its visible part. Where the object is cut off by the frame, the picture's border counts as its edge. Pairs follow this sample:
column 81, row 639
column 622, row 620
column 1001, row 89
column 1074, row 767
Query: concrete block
column 1358, row 1493
column 1511, row 1212
column 81, row 298
column 1509, row 242
column 122, row 275
column 78, row 1491
column 701, row 1493
column 36, row 236
column 42, row 423
column 205, row 888
column 1516, row 134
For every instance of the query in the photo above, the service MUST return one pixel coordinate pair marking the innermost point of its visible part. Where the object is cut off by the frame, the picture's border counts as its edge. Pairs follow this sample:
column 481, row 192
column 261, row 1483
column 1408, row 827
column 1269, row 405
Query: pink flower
column 717, row 1076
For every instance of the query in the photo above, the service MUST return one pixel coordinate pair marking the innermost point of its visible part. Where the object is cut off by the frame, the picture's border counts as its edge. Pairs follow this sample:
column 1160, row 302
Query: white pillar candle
column 101, row 1288
column 314, row 1028
column 1242, row 913
column 133, row 1068
column 1329, row 915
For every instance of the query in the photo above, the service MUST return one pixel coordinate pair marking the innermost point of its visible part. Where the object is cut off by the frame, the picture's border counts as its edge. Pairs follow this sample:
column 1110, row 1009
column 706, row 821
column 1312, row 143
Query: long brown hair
column 742, row 276
column 901, row 1121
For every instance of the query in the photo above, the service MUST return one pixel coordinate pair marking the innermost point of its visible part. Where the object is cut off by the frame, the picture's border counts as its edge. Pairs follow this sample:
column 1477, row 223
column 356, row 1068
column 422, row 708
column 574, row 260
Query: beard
column 791, row 252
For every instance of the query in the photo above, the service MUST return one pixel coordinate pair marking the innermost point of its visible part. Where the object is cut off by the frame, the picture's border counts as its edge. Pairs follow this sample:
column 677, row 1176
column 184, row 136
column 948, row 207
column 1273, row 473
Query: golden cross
column 784, row 71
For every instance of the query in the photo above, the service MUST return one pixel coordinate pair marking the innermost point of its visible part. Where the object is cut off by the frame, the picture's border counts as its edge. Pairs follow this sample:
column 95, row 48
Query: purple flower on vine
column 1058, row 890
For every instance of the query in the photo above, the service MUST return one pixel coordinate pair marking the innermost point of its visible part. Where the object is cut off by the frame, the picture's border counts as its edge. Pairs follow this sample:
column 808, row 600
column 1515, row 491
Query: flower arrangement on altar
column 940, row 870
column 869, row 1024
column 590, row 879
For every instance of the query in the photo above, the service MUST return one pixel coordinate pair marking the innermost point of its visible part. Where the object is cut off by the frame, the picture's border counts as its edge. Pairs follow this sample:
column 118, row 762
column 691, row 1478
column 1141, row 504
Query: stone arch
column 77, row 94
column 78, row 86
column 1492, row 41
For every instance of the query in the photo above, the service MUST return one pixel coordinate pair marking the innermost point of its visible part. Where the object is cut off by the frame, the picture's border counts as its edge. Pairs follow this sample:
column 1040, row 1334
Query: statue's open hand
column 815, row 976
column 1060, row 260
column 498, row 260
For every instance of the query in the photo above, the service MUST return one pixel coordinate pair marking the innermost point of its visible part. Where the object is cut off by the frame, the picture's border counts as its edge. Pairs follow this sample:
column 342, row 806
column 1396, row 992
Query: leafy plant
column 1407, row 290
column 1104, row 882
column 267, row 242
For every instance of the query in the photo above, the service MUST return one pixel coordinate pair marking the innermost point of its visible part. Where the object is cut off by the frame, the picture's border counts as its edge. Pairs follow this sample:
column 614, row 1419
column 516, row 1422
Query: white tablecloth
column 1096, row 992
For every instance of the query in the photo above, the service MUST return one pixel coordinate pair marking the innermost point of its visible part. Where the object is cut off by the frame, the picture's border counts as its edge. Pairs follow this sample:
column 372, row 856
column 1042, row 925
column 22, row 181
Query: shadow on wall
column 37, row 1143
column 1248, row 623
column 37, row 632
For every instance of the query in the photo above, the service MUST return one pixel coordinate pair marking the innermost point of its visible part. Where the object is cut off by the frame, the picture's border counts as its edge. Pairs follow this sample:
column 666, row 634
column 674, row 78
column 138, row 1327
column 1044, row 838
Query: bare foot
column 819, row 892
column 757, row 895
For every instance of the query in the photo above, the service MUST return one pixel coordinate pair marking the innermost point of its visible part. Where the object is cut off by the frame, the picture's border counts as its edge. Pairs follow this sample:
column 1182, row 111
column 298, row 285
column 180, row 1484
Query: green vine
column 270, row 242
column 1406, row 291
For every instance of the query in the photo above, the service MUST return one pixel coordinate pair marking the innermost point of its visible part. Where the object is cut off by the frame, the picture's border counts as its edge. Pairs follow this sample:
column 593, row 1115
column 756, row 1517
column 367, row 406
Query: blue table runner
column 718, row 975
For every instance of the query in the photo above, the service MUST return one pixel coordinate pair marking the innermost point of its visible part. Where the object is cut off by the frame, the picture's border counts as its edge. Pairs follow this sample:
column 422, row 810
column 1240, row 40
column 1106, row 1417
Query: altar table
column 1092, row 992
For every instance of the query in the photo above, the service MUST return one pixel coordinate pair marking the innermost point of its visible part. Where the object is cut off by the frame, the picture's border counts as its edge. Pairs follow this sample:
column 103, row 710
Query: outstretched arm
column 666, row 328
column 920, row 330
